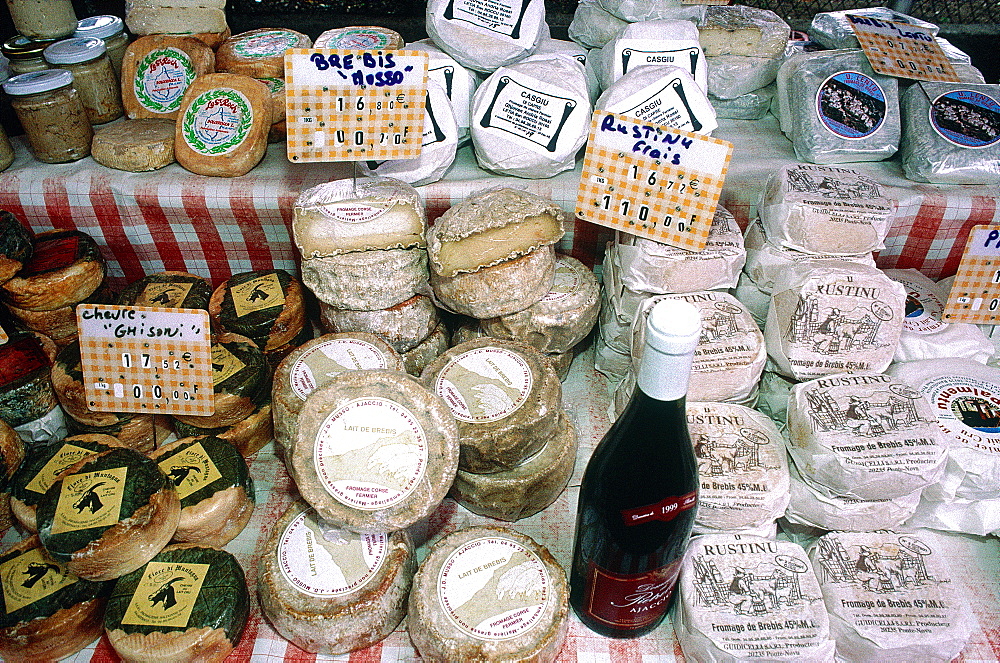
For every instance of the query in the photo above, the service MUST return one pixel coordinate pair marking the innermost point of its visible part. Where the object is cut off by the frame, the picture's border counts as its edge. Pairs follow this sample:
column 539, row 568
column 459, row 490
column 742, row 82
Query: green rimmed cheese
column 17, row 243
column 26, row 392
column 168, row 290
column 266, row 306
column 65, row 268
column 133, row 431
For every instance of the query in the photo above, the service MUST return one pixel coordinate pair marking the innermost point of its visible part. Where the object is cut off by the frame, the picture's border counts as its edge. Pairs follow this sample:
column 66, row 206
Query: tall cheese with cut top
column 156, row 72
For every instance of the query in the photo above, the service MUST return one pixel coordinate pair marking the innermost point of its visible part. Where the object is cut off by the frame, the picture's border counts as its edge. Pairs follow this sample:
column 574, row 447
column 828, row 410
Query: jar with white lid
column 43, row 19
column 112, row 30
column 52, row 114
column 93, row 77
column 25, row 55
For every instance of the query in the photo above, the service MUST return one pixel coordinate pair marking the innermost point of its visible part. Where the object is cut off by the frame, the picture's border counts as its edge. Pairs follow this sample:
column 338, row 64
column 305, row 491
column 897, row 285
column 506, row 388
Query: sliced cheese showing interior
column 133, row 431
column 403, row 326
column 742, row 30
column 660, row 94
column 190, row 599
column 367, row 280
column 485, row 37
column 108, row 514
column 222, row 125
column 330, row 590
column 266, row 306
column 67, row 381
column 375, row 450
column 491, row 593
column 892, row 596
column 248, row 435
column 364, row 37
column 11, row 457
column 26, row 392
column 458, row 82
column 65, row 268
column 135, row 145
column 259, row 53
column 17, row 242
column 156, row 72
column 653, row 42
column 741, row 594
column 167, row 290
column 417, row 359
column 145, row 17
column 47, row 612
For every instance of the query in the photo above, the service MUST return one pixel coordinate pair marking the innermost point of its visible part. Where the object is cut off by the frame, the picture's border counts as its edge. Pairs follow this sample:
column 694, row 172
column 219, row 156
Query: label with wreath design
column 217, row 121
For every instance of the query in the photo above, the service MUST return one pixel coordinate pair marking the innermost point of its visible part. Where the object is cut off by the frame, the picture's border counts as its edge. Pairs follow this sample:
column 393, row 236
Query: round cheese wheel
column 404, row 326
column 561, row 362
column 158, row 69
column 135, row 146
column 60, row 324
column 133, row 431
column 276, row 86
column 329, row 590
column 466, row 330
column 248, row 435
column 47, row 612
column 488, row 593
column 375, row 450
column 17, row 242
column 365, row 37
column 416, row 360
column 108, row 514
column 266, row 306
column 11, row 456
column 65, row 268
column 167, row 290
column 67, row 380
column 259, row 53
column 213, row 39
column 26, row 392
column 188, row 603
column 275, row 355
column 367, row 280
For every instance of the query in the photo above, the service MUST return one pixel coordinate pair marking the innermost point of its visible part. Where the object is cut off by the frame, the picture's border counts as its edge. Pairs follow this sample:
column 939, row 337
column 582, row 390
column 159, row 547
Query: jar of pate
column 52, row 114
column 93, row 77
column 112, row 30
column 6, row 149
column 25, row 55
column 43, row 19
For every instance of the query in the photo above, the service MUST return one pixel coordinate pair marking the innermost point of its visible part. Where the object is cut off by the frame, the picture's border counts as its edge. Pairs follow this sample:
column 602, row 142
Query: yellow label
column 167, row 295
column 224, row 364
column 257, row 294
column 166, row 594
column 3, row 337
column 92, row 499
column 30, row 577
column 67, row 455
column 190, row 469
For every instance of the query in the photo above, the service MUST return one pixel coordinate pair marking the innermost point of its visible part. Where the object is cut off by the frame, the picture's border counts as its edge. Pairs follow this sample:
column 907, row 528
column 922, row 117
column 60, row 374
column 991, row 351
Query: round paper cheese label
column 966, row 118
column 851, row 105
column 265, row 44
column 565, row 283
column 162, row 78
column 485, row 384
column 359, row 38
column 370, row 453
column 217, row 121
column 324, row 561
column 322, row 362
column 923, row 310
column 493, row 588
column 968, row 409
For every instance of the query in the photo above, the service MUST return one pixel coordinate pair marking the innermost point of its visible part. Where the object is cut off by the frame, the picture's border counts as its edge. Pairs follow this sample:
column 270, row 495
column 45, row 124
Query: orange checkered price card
column 902, row 49
column 975, row 294
column 651, row 180
column 347, row 105
column 146, row 359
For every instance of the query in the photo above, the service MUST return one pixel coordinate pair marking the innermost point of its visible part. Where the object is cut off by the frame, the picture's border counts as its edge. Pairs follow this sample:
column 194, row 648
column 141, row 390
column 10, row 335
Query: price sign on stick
column 651, row 180
column 146, row 359
column 975, row 294
column 902, row 49
column 346, row 105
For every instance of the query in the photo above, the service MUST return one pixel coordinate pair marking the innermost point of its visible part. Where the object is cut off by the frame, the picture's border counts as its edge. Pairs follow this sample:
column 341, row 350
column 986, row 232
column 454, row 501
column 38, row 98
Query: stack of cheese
column 204, row 19
column 28, row 402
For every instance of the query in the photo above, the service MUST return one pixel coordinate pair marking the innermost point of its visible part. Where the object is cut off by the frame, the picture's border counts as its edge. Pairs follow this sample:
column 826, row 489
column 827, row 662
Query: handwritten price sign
column 975, row 294
column 901, row 49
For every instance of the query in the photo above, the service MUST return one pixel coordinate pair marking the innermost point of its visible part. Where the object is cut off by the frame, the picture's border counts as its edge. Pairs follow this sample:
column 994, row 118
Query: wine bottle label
column 664, row 510
column 630, row 601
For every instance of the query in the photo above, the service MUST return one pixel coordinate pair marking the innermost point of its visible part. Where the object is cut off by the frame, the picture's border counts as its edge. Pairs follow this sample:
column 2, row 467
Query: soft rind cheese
column 150, row 18
column 416, row 360
column 167, row 290
column 505, row 396
column 365, row 37
column 748, row 106
column 267, row 306
column 17, row 243
column 404, row 326
column 329, row 590
column 482, row 37
column 135, row 431
column 156, row 72
column 66, row 267
column 108, row 514
column 742, row 30
column 452, row 617
column 214, row 485
column 375, row 450
column 190, row 602
column 26, row 392
column 367, row 280
column 135, row 146
column 259, row 53
column 660, row 94
column 652, row 42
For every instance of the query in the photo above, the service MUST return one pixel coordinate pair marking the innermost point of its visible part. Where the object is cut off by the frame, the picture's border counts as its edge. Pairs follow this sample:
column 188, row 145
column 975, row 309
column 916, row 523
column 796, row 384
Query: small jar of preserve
column 112, row 30
column 25, row 55
column 93, row 77
column 43, row 19
column 52, row 114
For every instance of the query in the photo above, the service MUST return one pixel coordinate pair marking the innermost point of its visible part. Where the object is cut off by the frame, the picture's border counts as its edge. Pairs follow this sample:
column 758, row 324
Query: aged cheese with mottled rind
column 266, row 306
column 135, row 145
column 167, row 290
column 133, row 431
column 152, row 17
column 65, row 268
column 329, row 590
column 403, row 326
column 16, row 245
column 417, row 359
column 259, row 53
column 369, row 37
column 60, row 324
column 156, row 72
column 67, row 381
column 375, row 450
column 367, row 280
column 26, row 392
column 741, row 30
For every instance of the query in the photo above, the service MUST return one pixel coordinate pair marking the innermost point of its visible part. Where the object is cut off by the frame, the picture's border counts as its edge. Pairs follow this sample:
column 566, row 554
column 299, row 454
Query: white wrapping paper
column 659, row 42
column 661, row 94
column 484, row 35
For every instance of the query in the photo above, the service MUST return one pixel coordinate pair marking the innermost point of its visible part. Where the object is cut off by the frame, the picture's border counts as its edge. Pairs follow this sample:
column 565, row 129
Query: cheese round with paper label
column 661, row 94
column 416, row 360
column 485, row 37
column 329, row 590
column 67, row 381
column 266, row 306
column 458, row 82
column 46, row 612
column 365, row 37
column 489, row 593
column 259, row 53
column 65, row 268
column 375, row 450
column 108, row 514
column 505, row 396
column 654, row 42
column 26, row 392
column 214, row 486
column 167, row 290
column 156, row 72
column 17, row 243
column 189, row 602
column 404, row 326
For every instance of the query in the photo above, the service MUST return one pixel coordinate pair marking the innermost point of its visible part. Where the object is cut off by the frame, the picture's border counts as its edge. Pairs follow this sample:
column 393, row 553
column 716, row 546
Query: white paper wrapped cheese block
column 741, row 464
column 660, row 94
column 329, row 590
column 891, row 596
column 748, row 106
column 749, row 598
column 593, row 26
column 826, row 210
column 866, row 436
column 374, row 450
column 458, row 82
column 827, row 319
column 772, row 399
column 624, row 301
column 646, row 10
column 730, row 76
column 404, row 326
column 656, row 42
column 485, row 37
column 488, row 593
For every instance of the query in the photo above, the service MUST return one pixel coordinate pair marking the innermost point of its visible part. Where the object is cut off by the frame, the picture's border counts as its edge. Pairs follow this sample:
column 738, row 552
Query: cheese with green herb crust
column 167, row 290
column 266, row 306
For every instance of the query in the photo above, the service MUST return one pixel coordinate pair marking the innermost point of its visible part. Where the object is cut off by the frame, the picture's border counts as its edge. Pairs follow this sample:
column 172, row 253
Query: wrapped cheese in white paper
column 785, row 70
column 660, row 94
column 756, row 300
column 772, row 399
column 744, row 31
column 660, row 42
column 486, row 35
column 652, row 10
column 834, row 30
column 938, row 509
column 748, row 106
column 730, row 76
column 549, row 46
column 624, row 301
column 459, row 83
column 593, row 26
column 610, row 362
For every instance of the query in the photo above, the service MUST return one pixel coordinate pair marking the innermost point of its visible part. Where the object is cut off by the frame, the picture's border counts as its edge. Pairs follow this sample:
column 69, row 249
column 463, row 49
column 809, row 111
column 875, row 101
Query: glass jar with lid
column 43, row 19
column 112, row 30
column 52, row 114
column 25, row 54
column 6, row 149
column 87, row 59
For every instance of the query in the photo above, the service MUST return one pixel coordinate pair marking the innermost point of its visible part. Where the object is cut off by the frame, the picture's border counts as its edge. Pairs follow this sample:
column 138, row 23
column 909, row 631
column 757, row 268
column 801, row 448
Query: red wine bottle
column 640, row 490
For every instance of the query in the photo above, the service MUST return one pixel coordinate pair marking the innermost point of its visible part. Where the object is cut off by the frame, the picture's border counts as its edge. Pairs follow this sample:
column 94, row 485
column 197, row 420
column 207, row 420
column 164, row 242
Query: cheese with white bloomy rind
column 11, row 457
column 367, row 280
column 491, row 227
column 167, row 290
column 267, row 306
column 417, row 359
column 133, row 431
column 329, row 590
column 157, row 70
column 66, row 267
column 403, row 326
column 505, row 396
column 561, row 319
column 374, row 450
column 501, row 289
column 26, row 392
column 660, row 94
column 67, row 381
column 368, row 37
column 135, row 145
column 485, row 37
column 742, row 30
column 259, row 53
column 16, row 245
column 475, row 577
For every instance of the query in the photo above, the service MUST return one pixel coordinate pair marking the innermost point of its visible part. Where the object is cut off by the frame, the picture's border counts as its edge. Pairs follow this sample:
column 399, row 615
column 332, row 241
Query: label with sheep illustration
column 485, row 384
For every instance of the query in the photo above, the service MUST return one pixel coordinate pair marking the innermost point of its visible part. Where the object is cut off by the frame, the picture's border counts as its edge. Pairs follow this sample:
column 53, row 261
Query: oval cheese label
column 485, row 384
column 162, row 78
column 324, row 361
column 370, row 453
column 30, row 577
column 493, row 588
column 966, row 118
column 353, row 212
column 968, row 409
column 328, row 562
column 851, row 105
column 265, row 44
column 565, row 283
column 217, row 121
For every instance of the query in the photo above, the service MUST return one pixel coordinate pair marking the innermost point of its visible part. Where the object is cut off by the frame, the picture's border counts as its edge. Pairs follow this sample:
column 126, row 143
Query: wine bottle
column 640, row 489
